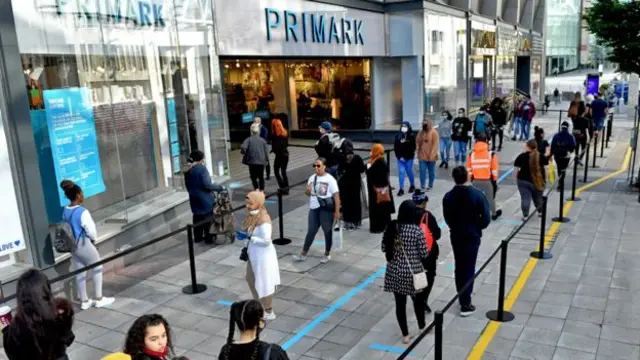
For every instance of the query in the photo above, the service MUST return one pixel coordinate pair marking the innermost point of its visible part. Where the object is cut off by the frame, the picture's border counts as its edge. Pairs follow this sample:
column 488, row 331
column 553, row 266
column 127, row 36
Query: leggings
column 256, row 172
column 401, row 311
column 85, row 255
column 529, row 192
column 280, row 170
column 319, row 218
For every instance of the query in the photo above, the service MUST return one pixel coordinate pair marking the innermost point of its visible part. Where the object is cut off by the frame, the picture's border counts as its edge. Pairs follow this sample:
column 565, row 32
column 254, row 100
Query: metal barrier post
column 595, row 151
column 609, row 128
column 541, row 254
column 282, row 240
column 439, row 320
column 602, row 145
column 194, row 288
column 586, row 162
column 500, row 314
column 575, row 179
column 561, row 218
column 559, row 120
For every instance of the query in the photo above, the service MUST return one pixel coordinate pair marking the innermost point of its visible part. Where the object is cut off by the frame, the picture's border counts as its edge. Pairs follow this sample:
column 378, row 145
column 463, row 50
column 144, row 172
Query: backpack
column 481, row 124
column 428, row 236
column 63, row 239
column 559, row 147
column 338, row 145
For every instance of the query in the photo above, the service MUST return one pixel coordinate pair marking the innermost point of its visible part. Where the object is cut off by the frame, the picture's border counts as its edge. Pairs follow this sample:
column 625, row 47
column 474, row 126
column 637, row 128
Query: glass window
column 118, row 102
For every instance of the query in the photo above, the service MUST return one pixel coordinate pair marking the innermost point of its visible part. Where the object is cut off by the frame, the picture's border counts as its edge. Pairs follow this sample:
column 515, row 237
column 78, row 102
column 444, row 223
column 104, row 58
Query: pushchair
column 223, row 217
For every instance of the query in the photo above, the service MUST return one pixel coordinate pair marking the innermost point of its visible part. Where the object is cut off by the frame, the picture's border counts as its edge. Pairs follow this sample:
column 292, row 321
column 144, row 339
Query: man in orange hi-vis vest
column 483, row 167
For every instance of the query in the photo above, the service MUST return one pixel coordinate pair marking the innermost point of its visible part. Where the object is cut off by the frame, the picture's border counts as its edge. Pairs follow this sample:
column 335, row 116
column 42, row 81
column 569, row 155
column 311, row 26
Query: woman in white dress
column 263, row 272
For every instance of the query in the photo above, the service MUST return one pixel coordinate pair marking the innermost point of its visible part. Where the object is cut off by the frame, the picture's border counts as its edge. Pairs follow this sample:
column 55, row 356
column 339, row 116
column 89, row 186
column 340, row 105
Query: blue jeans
column 598, row 124
column 424, row 167
column 405, row 166
column 319, row 218
column 445, row 149
column 460, row 151
column 525, row 126
column 517, row 122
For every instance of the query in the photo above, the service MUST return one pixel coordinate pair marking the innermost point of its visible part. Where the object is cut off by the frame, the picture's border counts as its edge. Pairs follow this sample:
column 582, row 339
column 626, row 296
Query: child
column 149, row 338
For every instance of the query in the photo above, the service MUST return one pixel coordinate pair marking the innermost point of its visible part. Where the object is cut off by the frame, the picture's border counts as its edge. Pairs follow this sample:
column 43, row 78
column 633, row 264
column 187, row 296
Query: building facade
column 114, row 95
column 563, row 35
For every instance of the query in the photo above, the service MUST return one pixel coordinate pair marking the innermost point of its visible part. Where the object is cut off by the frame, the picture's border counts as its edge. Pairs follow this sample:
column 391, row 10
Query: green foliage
column 616, row 25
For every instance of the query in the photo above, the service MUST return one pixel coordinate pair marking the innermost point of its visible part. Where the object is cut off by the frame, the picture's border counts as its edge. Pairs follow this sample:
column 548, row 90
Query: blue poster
column 74, row 144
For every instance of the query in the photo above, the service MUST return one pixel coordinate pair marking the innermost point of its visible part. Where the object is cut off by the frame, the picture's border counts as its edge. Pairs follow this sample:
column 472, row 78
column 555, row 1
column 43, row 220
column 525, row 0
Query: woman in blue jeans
column 444, row 132
column 405, row 147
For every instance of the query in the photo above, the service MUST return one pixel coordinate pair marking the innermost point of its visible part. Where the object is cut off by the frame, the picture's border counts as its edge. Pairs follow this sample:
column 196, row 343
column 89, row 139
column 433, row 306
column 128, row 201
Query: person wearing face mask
column 427, row 144
column 263, row 271
column 499, row 117
column 460, row 129
column 444, row 132
column 483, row 123
column 405, row 147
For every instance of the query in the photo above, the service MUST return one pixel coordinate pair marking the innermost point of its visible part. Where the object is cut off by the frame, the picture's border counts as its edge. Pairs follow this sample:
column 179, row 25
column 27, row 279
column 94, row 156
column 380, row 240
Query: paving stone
column 586, row 315
column 327, row 350
column 618, row 350
column 620, row 334
column 543, row 322
column 540, row 336
column 578, row 342
column 549, row 310
column 582, row 328
column 589, row 302
column 532, row 351
column 569, row 354
column 343, row 336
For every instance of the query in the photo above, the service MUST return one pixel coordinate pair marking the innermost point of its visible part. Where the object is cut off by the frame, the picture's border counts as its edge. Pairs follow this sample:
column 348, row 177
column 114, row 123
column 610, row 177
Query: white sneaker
column 269, row 315
column 325, row 259
column 299, row 258
column 105, row 301
column 86, row 304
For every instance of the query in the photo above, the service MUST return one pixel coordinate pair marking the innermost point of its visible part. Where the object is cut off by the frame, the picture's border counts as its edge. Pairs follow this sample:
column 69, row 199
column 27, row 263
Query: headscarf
column 377, row 153
column 252, row 221
column 277, row 129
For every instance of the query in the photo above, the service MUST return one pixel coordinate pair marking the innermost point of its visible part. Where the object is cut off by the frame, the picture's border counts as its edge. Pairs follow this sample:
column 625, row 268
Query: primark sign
column 313, row 27
column 140, row 13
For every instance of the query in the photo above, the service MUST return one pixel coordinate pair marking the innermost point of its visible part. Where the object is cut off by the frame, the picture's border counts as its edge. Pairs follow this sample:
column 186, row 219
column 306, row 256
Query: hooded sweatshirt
column 428, row 145
column 405, row 143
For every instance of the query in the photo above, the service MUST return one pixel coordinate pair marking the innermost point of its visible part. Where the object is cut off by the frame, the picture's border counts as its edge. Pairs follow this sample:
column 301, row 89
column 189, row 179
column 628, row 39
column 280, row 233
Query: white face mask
column 254, row 212
column 404, row 129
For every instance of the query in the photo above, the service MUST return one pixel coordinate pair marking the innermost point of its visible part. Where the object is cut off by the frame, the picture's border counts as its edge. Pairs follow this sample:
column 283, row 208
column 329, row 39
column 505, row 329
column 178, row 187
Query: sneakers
column 105, row 301
column 86, row 304
column 412, row 189
column 497, row 215
column 325, row 259
column 269, row 315
column 299, row 258
column 401, row 192
column 467, row 310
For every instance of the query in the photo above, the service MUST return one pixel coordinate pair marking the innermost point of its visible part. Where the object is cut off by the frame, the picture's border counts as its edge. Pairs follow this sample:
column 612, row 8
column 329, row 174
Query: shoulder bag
column 419, row 279
column 382, row 194
column 325, row 204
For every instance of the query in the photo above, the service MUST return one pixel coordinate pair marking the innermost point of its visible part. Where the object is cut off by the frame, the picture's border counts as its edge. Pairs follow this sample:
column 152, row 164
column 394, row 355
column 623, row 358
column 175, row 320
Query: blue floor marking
column 504, row 176
column 318, row 243
column 450, row 267
column 270, row 201
column 510, row 221
column 386, row 348
column 335, row 306
column 224, row 302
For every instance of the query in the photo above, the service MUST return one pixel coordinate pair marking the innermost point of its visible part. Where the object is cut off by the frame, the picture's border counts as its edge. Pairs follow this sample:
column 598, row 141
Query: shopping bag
column 337, row 236
column 552, row 173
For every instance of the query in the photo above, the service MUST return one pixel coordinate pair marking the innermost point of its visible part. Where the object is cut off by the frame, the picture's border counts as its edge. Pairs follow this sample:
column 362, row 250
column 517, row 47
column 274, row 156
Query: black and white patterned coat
column 398, row 276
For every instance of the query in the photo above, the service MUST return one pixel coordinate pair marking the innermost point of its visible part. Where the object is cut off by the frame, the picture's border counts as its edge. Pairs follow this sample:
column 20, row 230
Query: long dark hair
column 534, row 165
column 407, row 214
column 246, row 315
column 36, row 314
column 134, row 344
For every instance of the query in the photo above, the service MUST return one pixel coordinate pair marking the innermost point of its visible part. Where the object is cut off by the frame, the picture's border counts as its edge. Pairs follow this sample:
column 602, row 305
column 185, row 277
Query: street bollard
column 609, row 128
column 575, row 179
column 595, row 151
column 602, row 134
column 561, row 218
column 499, row 314
column 559, row 120
column 439, row 320
column 541, row 254
column 282, row 240
column 586, row 162
column 194, row 288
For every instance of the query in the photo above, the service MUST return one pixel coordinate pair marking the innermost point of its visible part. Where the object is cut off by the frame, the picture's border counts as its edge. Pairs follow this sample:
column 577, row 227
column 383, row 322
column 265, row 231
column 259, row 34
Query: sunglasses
column 316, row 165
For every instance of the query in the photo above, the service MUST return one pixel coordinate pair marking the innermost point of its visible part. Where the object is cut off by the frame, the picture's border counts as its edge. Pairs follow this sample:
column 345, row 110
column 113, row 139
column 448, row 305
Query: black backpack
column 559, row 147
column 63, row 239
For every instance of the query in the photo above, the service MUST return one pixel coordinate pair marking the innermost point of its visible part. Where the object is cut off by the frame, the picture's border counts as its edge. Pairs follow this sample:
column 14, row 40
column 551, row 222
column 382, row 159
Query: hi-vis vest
column 483, row 167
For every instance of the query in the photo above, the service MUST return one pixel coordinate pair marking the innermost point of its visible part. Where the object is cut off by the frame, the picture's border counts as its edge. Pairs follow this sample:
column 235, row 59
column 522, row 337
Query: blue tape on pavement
column 271, row 201
column 318, row 243
column 504, row 176
column 224, row 302
column 510, row 221
column 450, row 267
column 389, row 349
column 335, row 306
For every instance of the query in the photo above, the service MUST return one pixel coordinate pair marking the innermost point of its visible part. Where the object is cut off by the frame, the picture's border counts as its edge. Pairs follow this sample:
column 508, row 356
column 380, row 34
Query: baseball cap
column 419, row 197
column 326, row 125
column 565, row 124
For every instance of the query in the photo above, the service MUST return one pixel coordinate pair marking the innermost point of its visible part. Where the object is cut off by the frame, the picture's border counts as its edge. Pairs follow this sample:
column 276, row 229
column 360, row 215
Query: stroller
column 223, row 217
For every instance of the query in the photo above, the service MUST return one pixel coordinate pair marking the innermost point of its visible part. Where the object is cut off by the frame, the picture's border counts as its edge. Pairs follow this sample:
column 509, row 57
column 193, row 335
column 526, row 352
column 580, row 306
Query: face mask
column 254, row 212
column 404, row 129
column 461, row 114
column 444, row 117
column 481, row 113
column 425, row 127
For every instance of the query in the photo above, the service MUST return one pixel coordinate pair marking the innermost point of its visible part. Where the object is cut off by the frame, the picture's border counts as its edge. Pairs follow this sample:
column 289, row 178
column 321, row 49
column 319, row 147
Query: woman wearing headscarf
column 404, row 147
column 405, row 249
column 263, row 272
column 380, row 198
column 350, row 186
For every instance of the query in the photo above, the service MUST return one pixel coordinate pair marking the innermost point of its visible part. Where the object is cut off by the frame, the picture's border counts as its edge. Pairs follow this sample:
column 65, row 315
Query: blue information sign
column 74, row 144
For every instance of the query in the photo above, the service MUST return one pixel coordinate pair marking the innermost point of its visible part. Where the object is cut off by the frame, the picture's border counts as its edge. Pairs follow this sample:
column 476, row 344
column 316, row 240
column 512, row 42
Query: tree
column 616, row 25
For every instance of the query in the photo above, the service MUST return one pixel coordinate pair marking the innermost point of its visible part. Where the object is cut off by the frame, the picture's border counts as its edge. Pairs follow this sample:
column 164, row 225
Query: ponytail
column 232, row 330
column 534, row 165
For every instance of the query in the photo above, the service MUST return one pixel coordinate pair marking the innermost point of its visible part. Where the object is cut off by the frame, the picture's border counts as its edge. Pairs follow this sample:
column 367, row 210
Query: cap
column 565, row 125
column 326, row 125
column 117, row 356
column 419, row 197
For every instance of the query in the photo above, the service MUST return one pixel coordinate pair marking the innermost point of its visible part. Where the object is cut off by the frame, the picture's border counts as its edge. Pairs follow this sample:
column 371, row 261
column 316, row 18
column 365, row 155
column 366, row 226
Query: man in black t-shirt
column 460, row 129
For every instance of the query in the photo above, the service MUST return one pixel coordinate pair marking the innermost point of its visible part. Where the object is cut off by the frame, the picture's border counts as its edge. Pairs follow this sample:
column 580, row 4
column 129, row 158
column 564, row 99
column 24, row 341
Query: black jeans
column 202, row 232
column 319, row 218
column 256, row 172
column 267, row 170
column 430, row 264
column 401, row 311
column 497, row 132
column 280, row 171
column 562, row 164
column 465, row 254
column 581, row 145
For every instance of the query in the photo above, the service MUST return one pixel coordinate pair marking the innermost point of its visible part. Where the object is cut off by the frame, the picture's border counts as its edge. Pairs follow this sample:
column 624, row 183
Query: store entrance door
column 487, row 77
column 482, row 87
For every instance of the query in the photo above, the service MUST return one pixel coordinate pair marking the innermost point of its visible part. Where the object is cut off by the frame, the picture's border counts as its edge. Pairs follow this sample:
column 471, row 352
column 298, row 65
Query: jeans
column 202, row 232
column 460, row 151
column 517, row 123
column 85, row 255
column 256, row 173
column 401, row 311
column 465, row 254
column 445, row 149
column 424, row 167
column 280, row 171
column 525, row 126
column 405, row 166
column 319, row 218
column 528, row 192
column 498, row 133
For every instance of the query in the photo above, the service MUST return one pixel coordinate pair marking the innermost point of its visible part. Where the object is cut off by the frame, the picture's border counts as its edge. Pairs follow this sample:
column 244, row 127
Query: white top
column 263, row 260
column 325, row 187
column 87, row 223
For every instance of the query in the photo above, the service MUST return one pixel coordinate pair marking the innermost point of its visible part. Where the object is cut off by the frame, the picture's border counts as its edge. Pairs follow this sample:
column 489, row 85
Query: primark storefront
column 114, row 94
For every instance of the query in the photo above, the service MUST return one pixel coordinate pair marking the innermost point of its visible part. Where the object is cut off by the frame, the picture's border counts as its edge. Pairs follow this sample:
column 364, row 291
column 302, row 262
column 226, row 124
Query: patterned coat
column 399, row 277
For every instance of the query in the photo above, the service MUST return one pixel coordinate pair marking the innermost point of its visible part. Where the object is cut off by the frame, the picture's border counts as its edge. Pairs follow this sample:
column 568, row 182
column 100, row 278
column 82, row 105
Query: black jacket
column 280, row 146
column 466, row 212
column 460, row 129
column 19, row 343
column 499, row 116
column 562, row 144
column 324, row 149
column 405, row 146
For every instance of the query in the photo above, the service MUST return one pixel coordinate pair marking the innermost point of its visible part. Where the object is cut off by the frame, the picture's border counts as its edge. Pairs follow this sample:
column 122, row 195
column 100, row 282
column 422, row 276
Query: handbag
column 325, row 204
column 244, row 253
column 420, row 279
column 383, row 195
